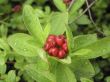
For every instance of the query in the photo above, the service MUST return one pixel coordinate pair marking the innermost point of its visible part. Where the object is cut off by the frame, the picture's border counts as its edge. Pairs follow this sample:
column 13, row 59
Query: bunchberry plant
column 67, row 55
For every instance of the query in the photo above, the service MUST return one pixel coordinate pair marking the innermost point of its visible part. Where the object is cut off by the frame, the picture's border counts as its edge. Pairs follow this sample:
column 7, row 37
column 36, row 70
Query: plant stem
column 84, row 11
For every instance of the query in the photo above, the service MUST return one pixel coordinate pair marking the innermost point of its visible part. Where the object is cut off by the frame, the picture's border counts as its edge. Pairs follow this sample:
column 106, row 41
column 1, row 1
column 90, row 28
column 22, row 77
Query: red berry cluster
column 56, row 46
column 67, row 2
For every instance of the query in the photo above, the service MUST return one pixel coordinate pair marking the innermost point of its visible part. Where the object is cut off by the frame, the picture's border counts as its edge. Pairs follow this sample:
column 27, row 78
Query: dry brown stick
column 90, row 15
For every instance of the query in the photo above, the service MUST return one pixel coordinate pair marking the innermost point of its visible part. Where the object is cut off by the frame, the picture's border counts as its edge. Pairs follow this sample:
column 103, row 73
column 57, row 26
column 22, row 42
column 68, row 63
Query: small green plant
column 48, row 68
column 38, row 44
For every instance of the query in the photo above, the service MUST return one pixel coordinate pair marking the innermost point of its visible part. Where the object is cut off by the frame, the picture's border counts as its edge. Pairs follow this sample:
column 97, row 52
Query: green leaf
column 96, row 67
column 2, row 60
column 66, row 60
column 42, row 55
column 2, row 69
column 97, row 49
column 4, row 44
column 107, row 79
column 69, row 39
column 47, row 30
column 72, row 18
column 32, row 23
column 3, row 1
column 83, row 40
column 99, row 76
column 2, row 81
column 83, row 20
column 75, row 7
column 60, row 5
column 11, row 77
column 64, row 74
column 23, row 44
column 27, row 77
column 58, row 23
column 39, row 73
column 3, row 31
column 2, row 57
column 39, row 13
column 86, row 80
column 82, row 68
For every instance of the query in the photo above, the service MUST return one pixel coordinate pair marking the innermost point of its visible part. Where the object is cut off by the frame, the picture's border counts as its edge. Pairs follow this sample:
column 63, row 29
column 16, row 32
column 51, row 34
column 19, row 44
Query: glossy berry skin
column 56, row 46
column 59, row 41
column 65, row 47
column 53, row 52
column 47, row 47
column 51, row 37
column 61, row 54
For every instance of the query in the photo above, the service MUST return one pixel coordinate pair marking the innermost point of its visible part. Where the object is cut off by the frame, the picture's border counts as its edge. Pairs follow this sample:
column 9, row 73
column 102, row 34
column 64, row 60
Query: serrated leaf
column 58, row 22
column 40, row 75
column 11, row 77
column 60, row 5
column 64, row 74
column 23, row 44
column 82, row 68
column 32, row 23
column 97, row 49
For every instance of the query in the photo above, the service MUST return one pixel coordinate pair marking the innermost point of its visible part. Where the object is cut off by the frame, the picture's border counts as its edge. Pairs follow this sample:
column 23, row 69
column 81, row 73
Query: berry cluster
column 56, row 46
column 67, row 2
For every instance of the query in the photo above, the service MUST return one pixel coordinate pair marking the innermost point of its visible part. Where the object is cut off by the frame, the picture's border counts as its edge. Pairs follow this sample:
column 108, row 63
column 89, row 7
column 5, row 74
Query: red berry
column 51, row 37
column 59, row 41
column 61, row 54
column 16, row 8
column 62, row 37
column 47, row 47
column 50, row 51
column 65, row 40
column 53, row 51
column 67, row 2
column 65, row 47
column 51, row 41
